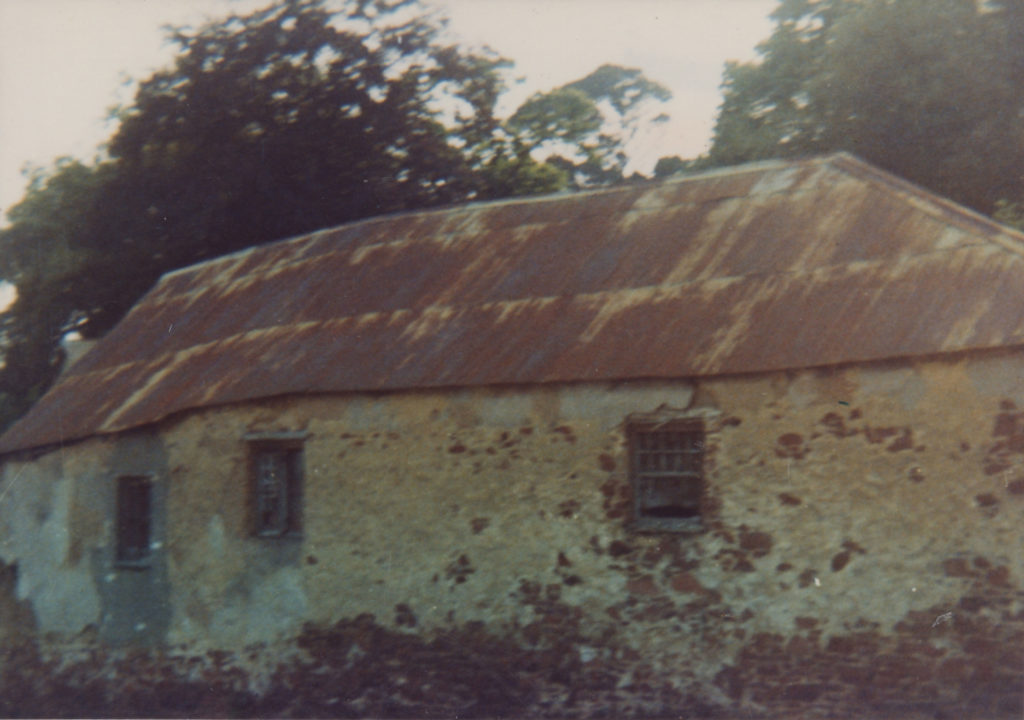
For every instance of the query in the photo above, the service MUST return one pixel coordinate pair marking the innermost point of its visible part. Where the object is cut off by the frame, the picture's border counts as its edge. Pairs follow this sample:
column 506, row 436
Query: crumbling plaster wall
column 56, row 537
column 851, row 514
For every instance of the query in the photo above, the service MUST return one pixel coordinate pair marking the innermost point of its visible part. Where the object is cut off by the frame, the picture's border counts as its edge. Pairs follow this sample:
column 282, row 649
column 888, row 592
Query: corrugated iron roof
column 757, row 268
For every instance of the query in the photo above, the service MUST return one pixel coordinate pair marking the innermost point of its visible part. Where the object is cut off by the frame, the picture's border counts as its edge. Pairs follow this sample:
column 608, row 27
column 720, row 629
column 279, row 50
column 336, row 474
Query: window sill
column 133, row 564
column 278, row 536
column 691, row 526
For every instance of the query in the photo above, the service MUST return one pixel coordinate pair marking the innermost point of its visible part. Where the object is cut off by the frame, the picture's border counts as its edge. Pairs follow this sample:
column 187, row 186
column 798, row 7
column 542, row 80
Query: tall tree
column 928, row 89
column 40, row 254
column 296, row 118
column 584, row 126
column 766, row 106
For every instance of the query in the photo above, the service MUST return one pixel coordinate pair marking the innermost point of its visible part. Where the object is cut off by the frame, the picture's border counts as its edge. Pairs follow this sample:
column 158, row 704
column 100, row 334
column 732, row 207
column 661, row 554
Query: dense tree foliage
column 42, row 255
column 928, row 89
column 303, row 115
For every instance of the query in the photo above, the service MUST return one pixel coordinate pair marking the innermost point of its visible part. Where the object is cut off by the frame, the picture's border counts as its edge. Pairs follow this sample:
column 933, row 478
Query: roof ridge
column 476, row 205
column 930, row 202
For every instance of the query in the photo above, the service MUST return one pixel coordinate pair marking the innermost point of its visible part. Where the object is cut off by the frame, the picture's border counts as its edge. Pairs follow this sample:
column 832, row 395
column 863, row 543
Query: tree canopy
column 928, row 89
column 584, row 125
column 302, row 115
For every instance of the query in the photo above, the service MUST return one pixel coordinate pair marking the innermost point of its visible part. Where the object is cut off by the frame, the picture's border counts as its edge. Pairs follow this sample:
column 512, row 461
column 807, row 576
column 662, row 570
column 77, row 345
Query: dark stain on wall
column 459, row 570
column 755, row 542
column 617, row 497
column 618, row 548
column 562, row 565
column 787, row 499
column 566, row 432
column 507, row 440
column 404, row 616
column 732, row 560
column 791, row 445
column 988, row 503
column 479, row 524
column 902, row 437
column 851, row 546
column 840, row 560
column 957, row 567
column 898, row 438
column 836, row 425
column 1008, row 435
column 569, row 508
column 807, row 578
column 905, row 441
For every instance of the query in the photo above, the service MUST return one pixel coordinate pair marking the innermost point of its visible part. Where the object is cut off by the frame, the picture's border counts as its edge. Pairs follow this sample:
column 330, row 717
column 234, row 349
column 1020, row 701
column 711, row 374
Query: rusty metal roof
column 757, row 268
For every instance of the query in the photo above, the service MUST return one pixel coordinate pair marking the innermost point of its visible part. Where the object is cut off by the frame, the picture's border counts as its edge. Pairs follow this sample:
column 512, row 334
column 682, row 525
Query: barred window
column 134, row 520
column 276, row 488
column 667, row 468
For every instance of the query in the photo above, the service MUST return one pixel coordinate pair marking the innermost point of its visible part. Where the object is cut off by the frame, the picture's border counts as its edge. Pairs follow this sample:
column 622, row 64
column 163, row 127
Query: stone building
column 748, row 442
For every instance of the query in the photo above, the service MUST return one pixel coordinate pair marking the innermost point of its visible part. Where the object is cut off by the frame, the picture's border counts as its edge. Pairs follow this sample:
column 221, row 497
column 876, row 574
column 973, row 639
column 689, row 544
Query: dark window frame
column 668, row 474
column 276, row 486
column 133, row 521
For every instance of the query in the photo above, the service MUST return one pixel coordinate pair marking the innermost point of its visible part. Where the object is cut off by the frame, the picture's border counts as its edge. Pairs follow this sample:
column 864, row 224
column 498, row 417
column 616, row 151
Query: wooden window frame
column 133, row 521
column 667, row 460
column 276, row 486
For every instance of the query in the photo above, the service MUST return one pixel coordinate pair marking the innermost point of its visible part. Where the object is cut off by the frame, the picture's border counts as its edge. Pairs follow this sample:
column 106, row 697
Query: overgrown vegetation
column 353, row 669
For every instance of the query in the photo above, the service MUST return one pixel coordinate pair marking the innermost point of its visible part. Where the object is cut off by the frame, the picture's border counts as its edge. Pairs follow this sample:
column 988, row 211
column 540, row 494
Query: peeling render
column 861, row 549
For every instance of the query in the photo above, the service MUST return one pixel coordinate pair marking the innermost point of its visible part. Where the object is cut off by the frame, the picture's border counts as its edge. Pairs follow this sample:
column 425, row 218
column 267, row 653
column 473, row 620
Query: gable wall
column 863, row 531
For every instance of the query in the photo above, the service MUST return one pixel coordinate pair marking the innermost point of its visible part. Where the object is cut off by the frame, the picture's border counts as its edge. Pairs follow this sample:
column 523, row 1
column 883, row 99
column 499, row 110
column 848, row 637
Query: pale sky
column 65, row 63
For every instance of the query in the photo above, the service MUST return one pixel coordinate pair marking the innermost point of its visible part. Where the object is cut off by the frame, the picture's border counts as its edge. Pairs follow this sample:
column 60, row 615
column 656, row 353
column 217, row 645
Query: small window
column 667, row 468
column 277, row 488
column 134, row 520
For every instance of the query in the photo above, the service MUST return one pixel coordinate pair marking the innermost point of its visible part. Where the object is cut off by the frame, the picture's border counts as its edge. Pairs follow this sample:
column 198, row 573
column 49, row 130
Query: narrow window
column 667, row 468
column 277, row 488
column 134, row 520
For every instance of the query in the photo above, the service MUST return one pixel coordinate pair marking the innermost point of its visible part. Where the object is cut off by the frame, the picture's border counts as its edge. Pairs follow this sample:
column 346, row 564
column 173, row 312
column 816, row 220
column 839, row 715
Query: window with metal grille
column 277, row 488
column 134, row 520
column 667, row 467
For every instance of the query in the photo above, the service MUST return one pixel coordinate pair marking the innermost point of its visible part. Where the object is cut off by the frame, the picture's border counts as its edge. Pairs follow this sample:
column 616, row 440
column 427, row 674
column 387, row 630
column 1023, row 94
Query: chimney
column 74, row 349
